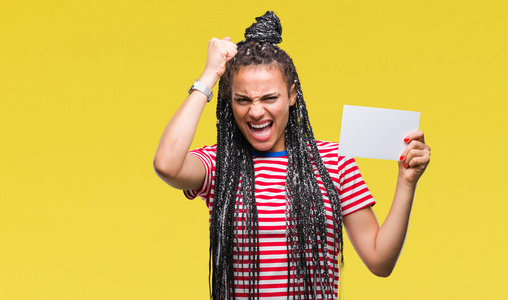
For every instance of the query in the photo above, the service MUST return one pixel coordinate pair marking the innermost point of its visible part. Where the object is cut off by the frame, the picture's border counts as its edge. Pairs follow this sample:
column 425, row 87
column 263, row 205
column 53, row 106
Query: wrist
column 402, row 183
column 209, row 79
column 404, row 193
column 203, row 88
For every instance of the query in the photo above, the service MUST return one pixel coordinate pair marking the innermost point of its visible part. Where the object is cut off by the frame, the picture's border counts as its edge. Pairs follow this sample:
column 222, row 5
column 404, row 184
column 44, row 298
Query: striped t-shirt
column 270, row 176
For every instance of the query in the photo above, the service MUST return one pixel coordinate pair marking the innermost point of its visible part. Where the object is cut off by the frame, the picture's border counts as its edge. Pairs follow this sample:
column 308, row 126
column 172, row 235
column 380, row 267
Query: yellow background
column 87, row 87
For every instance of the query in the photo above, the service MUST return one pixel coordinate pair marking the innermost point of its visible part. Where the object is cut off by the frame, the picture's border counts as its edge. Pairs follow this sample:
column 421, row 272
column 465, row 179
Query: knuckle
column 418, row 144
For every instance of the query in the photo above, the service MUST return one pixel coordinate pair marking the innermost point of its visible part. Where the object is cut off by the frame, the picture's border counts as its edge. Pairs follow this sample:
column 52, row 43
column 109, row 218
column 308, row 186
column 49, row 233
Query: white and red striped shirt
column 270, row 177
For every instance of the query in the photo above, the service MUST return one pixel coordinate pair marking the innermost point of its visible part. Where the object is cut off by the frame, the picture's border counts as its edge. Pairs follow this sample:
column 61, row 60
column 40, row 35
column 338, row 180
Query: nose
column 257, row 110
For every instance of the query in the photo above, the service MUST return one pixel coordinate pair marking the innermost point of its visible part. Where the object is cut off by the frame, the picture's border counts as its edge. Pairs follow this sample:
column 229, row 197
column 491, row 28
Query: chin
column 263, row 147
column 266, row 145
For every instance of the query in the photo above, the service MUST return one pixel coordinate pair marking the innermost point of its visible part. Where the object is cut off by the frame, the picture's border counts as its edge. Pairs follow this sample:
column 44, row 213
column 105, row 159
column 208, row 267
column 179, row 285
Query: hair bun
column 267, row 28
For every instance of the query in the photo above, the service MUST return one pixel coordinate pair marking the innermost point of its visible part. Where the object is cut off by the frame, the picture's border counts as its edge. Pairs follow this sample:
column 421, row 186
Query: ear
column 292, row 95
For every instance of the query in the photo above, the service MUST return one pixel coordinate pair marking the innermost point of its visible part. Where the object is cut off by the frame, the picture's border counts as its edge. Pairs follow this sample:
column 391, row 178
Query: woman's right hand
column 172, row 161
column 219, row 53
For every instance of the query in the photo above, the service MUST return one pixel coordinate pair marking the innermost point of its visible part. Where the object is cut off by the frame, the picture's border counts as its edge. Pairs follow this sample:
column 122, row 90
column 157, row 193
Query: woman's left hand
column 414, row 159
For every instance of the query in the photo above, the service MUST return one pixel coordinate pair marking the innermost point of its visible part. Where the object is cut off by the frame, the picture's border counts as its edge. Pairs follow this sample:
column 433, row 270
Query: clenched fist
column 219, row 53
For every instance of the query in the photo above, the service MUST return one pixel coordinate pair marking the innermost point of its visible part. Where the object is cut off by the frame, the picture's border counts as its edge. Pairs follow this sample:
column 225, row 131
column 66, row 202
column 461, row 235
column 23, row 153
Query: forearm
column 171, row 161
column 392, row 234
column 180, row 131
column 380, row 247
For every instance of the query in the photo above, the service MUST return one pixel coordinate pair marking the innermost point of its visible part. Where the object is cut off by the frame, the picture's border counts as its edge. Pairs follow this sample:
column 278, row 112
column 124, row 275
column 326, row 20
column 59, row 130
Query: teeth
column 262, row 135
column 260, row 125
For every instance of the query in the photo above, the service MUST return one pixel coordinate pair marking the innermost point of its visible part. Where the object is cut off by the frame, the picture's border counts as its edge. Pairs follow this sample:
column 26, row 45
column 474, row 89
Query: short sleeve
column 354, row 193
column 207, row 156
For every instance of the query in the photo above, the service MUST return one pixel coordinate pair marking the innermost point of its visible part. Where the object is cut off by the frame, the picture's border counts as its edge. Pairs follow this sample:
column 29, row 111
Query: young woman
column 277, row 197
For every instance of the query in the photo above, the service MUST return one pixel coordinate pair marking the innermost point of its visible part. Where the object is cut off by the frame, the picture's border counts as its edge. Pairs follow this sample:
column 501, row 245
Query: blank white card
column 371, row 132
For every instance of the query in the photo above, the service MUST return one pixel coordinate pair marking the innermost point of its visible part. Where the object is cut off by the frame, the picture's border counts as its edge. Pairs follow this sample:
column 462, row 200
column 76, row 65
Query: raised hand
column 414, row 158
column 219, row 53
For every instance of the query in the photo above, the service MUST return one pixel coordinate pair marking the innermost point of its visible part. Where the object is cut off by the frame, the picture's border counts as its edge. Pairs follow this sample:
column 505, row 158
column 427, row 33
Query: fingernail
column 406, row 139
column 404, row 165
column 402, row 157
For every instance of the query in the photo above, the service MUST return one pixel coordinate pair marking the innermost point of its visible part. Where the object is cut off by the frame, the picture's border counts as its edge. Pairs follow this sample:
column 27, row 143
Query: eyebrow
column 262, row 97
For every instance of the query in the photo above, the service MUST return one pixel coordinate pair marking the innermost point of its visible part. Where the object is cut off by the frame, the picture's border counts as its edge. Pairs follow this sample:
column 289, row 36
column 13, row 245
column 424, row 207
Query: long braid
column 234, row 167
column 234, row 200
column 307, row 198
column 305, row 139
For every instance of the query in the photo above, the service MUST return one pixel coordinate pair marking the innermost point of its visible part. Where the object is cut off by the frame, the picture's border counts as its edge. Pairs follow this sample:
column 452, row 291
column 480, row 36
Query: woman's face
column 260, row 104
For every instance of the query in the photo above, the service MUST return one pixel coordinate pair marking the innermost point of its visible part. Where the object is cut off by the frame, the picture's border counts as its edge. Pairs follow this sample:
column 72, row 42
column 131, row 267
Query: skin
column 260, row 97
column 172, row 162
column 379, row 247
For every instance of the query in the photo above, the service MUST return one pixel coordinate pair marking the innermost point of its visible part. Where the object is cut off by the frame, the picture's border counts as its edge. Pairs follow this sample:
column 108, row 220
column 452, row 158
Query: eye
column 272, row 98
column 241, row 100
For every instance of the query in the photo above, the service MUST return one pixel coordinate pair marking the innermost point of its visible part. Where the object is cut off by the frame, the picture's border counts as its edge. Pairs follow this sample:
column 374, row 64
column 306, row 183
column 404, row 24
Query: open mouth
column 261, row 130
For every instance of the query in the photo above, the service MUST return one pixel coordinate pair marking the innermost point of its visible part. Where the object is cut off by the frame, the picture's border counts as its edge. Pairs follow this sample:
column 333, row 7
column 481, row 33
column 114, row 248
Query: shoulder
column 326, row 144
column 329, row 152
column 208, row 150
column 327, row 149
column 212, row 148
column 206, row 154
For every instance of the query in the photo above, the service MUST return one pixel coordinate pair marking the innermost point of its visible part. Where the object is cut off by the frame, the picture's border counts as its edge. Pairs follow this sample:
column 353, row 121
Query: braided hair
column 305, row 209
